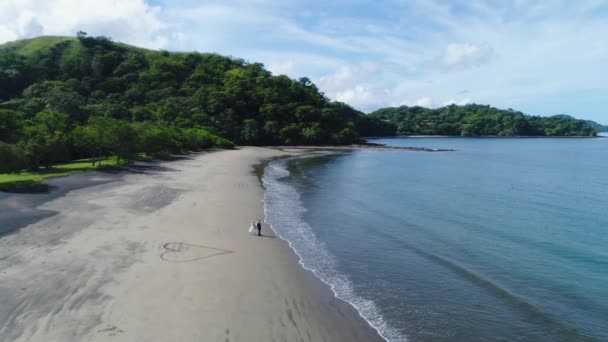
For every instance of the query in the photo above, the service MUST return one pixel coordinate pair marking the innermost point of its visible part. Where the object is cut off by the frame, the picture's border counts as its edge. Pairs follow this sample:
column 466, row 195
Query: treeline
column 49, row 138
column 479, row 120
column 66, row 98
column 598, row 127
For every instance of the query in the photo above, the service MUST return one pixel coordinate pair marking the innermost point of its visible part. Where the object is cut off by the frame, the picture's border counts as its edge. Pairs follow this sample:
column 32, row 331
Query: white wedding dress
column 252, row 230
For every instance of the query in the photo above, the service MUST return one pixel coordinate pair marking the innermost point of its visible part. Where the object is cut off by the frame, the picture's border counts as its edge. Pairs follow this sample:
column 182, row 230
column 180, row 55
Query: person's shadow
column 267, row 236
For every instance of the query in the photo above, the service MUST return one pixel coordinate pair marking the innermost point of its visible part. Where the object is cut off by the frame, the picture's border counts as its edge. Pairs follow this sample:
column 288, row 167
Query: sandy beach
column 164, row 255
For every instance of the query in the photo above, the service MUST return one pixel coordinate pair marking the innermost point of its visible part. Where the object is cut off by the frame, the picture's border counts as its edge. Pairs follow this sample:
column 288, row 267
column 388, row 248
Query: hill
column 64, row 98
column 598, row 127
column 479, row 120
column 34, row 46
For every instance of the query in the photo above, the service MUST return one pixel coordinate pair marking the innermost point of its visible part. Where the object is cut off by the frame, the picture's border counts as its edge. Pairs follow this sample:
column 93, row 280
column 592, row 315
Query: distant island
column 598, row 127
column 89, row 98
column 481, row 120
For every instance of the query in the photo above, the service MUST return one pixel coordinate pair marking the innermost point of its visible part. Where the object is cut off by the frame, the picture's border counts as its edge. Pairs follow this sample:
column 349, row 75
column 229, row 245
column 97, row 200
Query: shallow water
column 501, row 240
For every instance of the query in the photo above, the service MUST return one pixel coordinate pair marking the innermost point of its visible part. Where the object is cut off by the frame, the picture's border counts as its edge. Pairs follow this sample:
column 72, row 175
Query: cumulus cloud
column 460, row 102
column 353, row 84
column 282, row 68
column 430, row 101
column 348, row 76
column 461, row 56
column 363, row 86
column 132, row 21
column 325, row 41
column 424, row 102
column 359, row 96
column 7, row 35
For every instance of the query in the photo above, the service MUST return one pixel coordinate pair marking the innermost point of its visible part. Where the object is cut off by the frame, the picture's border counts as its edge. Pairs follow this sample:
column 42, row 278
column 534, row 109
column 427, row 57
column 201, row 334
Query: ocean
column 504, row 239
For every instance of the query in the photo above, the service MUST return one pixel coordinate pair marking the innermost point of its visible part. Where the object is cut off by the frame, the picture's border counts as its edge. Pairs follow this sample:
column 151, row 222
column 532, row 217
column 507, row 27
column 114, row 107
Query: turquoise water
column 501, row 240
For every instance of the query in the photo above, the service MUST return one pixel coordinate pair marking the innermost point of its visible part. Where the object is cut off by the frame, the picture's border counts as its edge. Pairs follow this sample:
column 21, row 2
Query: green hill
column 598, row 127
column 71, row 98
column 35, row 46
column 480, row 120
column 65, row 98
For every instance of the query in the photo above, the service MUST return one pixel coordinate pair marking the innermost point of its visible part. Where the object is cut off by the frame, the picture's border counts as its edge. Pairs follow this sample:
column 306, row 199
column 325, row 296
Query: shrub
column 12, row 158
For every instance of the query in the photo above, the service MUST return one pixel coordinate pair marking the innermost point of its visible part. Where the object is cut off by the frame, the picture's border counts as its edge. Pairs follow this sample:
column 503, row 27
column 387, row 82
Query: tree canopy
column 480, row 120
column 63, row 98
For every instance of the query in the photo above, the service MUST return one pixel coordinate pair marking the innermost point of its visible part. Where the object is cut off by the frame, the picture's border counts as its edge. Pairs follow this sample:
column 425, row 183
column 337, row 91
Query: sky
column 540, row 57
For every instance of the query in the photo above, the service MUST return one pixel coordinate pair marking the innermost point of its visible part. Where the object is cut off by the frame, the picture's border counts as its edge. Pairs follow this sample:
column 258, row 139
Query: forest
column 64, row 98
column 480, row 120
column 83, row 97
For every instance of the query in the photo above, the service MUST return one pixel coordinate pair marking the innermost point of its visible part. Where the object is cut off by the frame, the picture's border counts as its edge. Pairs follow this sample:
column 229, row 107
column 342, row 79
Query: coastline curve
column 283, row 211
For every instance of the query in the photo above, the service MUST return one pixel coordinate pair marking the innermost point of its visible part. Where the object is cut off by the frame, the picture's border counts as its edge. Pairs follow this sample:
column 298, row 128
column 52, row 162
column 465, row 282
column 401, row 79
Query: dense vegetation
column 598, row 127
column 64, row 99
column 69, row 98
column 480, row 120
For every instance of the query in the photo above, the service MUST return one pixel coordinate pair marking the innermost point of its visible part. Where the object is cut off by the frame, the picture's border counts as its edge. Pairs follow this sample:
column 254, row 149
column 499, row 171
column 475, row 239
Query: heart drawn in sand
column 185, row 252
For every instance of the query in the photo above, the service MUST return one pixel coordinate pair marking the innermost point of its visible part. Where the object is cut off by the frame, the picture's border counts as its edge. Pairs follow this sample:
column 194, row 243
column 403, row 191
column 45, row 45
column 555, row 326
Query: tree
column 104, row 135
column 312, row 134
column 56, row 96
column 52, row 122
column 12, row 158
column 54, row 150
column 290, row 134
column 158, row 140
column 11, row 125
column 15, row 74
column 307, row 114
column 251, row 133
column 479, row 120
column 84, row 140
column 126, row 143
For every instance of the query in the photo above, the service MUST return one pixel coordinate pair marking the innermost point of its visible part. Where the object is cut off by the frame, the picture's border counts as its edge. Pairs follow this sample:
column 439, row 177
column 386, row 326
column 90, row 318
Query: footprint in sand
column 110, row 331
column 185, row 252
column 240, row 185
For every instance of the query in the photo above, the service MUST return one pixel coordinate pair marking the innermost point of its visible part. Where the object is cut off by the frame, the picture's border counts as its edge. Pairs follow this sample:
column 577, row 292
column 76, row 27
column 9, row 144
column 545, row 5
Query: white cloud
column 282, row 68
column 543, row 56
column 460, row 56
column 364, row 86
column 353, row 84
column 424, row 102
column 359, row 96
column 349, row 76
column 7, row 34
column 461, row 102
column 132, row 21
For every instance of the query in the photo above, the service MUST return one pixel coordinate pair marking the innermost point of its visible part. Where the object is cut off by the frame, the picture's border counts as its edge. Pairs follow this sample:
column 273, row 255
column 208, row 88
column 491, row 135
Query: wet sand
column 161, row 255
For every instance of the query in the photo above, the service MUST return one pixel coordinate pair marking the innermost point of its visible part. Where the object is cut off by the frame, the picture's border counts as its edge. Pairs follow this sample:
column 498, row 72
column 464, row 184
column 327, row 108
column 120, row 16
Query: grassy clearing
column 25, row 179
column 29, row 47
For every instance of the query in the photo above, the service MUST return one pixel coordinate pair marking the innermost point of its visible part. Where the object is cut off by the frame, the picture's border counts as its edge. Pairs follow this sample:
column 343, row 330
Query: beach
column 164, row 255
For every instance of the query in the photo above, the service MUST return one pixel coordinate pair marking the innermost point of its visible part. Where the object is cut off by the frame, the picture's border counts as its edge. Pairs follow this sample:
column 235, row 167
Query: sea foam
column 284, row 212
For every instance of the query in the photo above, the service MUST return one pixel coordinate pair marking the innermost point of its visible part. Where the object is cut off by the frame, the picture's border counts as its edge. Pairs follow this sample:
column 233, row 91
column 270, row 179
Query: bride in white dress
column 252, row 228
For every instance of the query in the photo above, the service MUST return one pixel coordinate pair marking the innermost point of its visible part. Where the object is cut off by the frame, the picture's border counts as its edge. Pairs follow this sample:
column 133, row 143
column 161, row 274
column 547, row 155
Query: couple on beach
column 255, row 226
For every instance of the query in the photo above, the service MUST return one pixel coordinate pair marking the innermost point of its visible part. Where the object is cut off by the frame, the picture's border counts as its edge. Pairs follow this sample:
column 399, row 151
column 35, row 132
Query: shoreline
column 118, row 288
column 38, row 182
column 360, row 147
column 300, row 258
column 313, row 152
column 318, row 151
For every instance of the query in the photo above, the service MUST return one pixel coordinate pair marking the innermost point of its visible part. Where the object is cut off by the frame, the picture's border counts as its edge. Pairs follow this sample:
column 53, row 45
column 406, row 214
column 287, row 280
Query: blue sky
column 540, row 57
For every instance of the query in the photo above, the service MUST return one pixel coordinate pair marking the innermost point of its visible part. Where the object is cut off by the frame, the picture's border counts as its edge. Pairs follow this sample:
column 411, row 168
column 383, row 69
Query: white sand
column 165, row 256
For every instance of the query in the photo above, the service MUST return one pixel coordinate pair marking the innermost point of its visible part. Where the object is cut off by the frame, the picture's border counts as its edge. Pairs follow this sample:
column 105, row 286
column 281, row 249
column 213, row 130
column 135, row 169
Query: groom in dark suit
column 259, row 228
